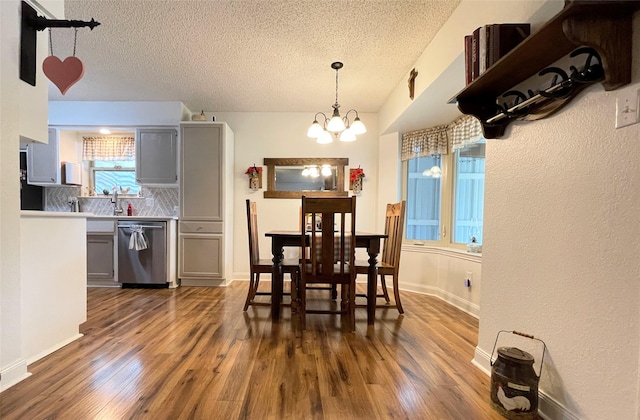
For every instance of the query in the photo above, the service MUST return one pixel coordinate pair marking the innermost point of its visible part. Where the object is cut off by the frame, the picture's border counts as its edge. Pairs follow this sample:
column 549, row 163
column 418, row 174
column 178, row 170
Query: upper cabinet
column 603, row 27
column 43, row 161
column 156, row 156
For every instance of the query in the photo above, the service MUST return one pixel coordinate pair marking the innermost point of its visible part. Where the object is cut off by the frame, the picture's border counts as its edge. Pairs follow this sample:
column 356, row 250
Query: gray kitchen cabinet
column 205, row 231
column 156, row 156
column 43, row 161
column 100, row 258
column 101, row 252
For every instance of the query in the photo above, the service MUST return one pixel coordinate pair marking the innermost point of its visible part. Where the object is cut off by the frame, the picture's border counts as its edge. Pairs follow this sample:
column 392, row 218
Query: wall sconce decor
column 355, row 180
column 255, row 177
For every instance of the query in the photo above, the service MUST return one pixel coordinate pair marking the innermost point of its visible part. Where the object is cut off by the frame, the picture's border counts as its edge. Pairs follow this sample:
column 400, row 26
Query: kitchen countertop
column 120, row 217
column 67, row 214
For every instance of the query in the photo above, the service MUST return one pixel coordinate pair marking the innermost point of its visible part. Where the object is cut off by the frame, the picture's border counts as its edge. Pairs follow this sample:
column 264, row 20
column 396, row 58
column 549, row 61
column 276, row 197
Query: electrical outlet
column 627, row 108
column 467, row 279
column 149, row 202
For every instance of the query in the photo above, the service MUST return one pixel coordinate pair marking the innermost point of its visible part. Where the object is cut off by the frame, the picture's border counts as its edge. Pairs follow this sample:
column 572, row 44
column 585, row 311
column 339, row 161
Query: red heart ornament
column 63, row 74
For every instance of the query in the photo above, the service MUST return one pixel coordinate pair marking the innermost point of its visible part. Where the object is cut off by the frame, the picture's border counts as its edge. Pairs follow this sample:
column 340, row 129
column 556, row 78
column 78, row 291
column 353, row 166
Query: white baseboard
column 548, row 408
column 53, row 348
column 13, row 374
column 462, row 304
column 203, row 282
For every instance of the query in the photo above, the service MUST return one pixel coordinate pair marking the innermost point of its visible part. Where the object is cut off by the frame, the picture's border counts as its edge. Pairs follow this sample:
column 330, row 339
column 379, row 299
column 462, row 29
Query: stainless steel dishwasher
column 144, row 267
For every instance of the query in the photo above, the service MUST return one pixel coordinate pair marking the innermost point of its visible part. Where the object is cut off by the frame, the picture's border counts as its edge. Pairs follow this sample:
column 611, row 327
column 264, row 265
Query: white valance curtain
column 464, row 132
column 425, row 142
column 438, row 140
column 108, row 148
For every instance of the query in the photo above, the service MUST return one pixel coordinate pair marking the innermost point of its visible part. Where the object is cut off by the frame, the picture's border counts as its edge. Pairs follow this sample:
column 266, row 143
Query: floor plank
column 192, row 353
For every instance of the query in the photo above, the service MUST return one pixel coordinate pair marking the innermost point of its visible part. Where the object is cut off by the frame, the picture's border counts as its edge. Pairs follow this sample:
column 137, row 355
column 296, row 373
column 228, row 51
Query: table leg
column 276, row 278
column 372, row 280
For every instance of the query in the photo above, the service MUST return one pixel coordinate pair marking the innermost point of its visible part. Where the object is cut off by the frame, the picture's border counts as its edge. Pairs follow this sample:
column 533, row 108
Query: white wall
column 562, row 238
column 561, row 249
column 560, row 257
column 53, row 279
column 280, row 135
column 15, row 99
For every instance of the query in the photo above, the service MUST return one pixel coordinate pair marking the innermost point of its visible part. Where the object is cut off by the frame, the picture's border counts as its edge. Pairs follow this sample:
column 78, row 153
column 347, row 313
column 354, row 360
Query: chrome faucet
column 116, row 206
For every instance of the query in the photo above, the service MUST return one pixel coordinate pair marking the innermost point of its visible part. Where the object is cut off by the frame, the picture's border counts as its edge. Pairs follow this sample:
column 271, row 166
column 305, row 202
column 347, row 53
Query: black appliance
column 31, row 196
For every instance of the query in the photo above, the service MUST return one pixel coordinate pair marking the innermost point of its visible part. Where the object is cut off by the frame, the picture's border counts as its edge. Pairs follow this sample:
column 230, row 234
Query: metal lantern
column 514, row 382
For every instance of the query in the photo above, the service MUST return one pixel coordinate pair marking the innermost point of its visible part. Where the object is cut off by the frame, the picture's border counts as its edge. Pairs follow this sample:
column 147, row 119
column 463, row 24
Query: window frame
column 447, row 180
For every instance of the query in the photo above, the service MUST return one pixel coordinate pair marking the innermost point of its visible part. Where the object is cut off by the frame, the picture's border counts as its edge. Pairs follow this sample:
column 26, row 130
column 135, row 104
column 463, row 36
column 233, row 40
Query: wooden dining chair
column 389, row 265
column 259, row 266
column 328, row 256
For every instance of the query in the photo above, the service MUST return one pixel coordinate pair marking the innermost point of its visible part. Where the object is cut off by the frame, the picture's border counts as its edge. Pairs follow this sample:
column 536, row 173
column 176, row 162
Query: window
column 423, row 199
column 112, row 164
column 468, row 184
column 444, row 191
column 121, row 174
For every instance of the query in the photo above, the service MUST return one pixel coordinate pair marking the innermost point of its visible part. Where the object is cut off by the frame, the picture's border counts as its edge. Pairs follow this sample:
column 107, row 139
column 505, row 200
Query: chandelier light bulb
column 315, row 130
column 358, row 127
column 335, row 123
column 324, row 138
column 347, row 135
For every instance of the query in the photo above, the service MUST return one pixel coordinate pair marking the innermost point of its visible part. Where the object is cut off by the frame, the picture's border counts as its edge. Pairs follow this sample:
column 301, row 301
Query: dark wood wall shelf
column 605, row 26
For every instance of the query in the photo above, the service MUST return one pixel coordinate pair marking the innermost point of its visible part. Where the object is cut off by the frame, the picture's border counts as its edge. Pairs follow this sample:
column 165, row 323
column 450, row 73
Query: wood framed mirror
column 312, row 177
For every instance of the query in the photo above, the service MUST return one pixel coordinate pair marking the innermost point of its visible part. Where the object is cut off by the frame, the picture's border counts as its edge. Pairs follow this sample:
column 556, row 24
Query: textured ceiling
column 268, row 55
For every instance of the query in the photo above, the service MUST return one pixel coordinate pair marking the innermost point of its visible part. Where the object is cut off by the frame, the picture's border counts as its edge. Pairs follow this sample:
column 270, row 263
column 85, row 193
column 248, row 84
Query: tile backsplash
column 154, row 202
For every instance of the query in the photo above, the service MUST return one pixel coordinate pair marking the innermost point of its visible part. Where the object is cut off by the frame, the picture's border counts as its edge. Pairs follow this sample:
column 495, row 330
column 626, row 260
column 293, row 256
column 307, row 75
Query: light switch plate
column 627, row 108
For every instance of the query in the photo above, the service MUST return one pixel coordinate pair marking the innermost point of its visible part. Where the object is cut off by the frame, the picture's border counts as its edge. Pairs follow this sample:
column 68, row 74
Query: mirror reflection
column 313, row 177
column 306, row 178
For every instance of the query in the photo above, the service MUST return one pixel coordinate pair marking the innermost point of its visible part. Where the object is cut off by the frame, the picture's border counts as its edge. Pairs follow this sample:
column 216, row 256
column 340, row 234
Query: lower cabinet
column 201, row 253
column 200, row 256
column 100, row 257
column 101, row 253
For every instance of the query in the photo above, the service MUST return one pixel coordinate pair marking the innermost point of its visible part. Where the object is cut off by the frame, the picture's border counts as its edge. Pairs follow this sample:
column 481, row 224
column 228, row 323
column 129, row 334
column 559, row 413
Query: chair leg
column 302, row 308
column 384, row 288
column 251, row 293
column 294, row 292
column 396, row 294
column 352, row 306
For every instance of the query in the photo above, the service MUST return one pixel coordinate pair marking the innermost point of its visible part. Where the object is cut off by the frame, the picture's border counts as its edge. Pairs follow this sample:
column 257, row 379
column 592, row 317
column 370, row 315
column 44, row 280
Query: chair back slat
column 252, row 227
column 331, row 228
column 394, row 229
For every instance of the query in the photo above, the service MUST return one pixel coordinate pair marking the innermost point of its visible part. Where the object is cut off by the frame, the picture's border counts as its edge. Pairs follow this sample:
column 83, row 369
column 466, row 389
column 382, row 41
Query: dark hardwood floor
column 191, row 353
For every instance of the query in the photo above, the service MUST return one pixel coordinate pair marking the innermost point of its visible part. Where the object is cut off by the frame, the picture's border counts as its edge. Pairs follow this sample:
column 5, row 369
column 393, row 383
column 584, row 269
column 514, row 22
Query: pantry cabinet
column 206, row 203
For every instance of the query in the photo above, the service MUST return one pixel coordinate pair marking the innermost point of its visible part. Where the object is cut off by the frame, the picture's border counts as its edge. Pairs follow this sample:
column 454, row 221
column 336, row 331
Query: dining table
column 291, row 238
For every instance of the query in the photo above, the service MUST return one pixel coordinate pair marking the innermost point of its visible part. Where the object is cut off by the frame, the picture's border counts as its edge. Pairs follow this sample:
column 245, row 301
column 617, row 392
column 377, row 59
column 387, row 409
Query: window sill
column 449, row 252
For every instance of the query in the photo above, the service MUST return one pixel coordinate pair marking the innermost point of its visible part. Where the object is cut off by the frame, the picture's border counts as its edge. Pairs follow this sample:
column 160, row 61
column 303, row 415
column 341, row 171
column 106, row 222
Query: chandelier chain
column 336, row 105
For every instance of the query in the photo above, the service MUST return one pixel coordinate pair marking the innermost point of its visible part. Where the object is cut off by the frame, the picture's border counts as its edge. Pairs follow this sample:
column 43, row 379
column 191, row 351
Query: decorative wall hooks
column 31, row 23
column 567, row 87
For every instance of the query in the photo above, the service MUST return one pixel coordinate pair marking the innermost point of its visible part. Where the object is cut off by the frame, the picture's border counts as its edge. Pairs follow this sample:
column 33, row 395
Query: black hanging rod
column 40, row 23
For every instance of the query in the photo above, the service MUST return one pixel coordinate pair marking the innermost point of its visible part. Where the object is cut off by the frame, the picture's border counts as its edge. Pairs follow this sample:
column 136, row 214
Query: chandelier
column 340, row 127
